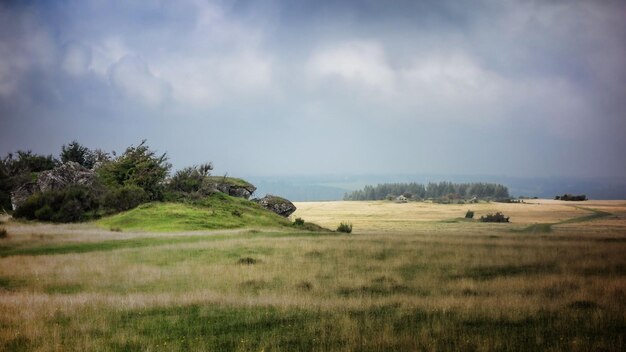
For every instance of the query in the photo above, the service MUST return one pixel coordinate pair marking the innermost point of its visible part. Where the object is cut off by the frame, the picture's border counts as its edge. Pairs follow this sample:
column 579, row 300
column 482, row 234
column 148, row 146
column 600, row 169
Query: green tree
column 138, row 166
column 78, row 153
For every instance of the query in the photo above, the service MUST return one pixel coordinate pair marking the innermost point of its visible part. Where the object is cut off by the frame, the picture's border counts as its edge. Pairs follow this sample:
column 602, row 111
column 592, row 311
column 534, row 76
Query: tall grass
column 438, row 288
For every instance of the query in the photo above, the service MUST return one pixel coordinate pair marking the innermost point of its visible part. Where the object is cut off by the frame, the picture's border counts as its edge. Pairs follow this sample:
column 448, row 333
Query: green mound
column 217, row 211
column 230, row 180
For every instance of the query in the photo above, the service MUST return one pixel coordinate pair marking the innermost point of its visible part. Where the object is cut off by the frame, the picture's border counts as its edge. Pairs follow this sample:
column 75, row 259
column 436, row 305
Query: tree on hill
column 138, row 166
column 79, row 154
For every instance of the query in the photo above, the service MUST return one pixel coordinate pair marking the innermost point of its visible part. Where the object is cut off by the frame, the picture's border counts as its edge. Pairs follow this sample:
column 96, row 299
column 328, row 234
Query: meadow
column 412, row 276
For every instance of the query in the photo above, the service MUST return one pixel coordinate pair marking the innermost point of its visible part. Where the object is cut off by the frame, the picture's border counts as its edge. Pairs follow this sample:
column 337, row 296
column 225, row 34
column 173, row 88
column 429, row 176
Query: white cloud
column 76, row 59
column 360, row 62
column 132, row 78
column 107, row 52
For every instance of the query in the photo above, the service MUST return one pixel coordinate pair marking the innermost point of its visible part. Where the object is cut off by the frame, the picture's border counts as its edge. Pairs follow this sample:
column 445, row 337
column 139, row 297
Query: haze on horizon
column 515, row 88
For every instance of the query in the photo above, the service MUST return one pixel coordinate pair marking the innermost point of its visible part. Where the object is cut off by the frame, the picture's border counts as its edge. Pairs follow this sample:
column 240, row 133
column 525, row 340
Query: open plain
column 411, row 276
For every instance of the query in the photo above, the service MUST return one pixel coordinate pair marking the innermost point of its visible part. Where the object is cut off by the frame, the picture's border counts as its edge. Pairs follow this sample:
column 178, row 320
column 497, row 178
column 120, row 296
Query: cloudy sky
column 520, row 88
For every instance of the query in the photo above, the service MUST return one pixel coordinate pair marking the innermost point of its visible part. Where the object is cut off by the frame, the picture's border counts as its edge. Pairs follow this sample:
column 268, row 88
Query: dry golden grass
column 404, row 265
column 386, row 216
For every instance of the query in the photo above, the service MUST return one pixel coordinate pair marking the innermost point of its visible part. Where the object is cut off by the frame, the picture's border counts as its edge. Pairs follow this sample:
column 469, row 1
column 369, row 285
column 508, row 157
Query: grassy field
column 411, row 276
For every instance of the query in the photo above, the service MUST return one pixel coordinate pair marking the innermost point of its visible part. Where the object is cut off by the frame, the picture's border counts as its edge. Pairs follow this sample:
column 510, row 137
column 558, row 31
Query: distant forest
column 433, row 190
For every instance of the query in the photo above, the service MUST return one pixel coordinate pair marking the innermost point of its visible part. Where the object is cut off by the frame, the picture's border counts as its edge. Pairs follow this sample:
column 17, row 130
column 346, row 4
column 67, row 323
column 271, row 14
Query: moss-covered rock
column 278, row 205
column 234, row 187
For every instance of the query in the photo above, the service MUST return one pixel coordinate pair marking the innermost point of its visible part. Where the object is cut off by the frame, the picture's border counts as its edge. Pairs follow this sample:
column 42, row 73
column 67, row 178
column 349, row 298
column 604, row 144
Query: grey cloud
column 356, row 86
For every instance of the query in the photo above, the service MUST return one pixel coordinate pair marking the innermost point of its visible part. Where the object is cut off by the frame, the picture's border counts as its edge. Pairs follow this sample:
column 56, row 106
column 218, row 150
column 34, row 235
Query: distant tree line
column 431, row 190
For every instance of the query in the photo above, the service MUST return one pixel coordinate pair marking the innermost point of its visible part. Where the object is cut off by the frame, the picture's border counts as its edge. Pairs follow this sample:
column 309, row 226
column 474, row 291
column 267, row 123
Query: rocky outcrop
column 233, row 187
column 19, row 196
column 278, row 205
column 70, row 173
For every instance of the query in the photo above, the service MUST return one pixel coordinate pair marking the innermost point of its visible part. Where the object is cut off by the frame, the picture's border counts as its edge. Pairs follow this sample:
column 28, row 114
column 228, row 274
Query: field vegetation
column 410, row 276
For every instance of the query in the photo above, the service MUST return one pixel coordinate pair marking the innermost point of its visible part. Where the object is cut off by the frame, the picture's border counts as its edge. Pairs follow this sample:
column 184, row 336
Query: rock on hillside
column 70, row 173
column 234, row 187
column 278, row 205
column 19, row 196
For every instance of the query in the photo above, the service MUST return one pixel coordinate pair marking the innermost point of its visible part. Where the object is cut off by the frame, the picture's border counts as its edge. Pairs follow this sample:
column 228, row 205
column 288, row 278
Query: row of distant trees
column 431, row 190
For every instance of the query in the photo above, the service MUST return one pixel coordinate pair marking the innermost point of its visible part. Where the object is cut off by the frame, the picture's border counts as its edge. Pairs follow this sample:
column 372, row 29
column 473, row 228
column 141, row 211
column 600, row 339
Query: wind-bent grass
column 444, row 286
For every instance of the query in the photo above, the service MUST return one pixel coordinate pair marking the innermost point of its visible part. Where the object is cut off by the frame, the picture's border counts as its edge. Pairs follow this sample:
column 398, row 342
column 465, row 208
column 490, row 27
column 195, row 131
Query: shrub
column 190, row 179
column 3, row 233
column 469, row 214
column 345, row 227
column 299, row 222
column 138, row 166
column 79, row 154
column 124, row 198
column 247, row 261
column 75, row 203
column 237, row 213
column 497, row 217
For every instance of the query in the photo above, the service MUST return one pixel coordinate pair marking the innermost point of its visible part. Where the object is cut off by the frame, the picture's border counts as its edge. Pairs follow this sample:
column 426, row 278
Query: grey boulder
column 278, row 205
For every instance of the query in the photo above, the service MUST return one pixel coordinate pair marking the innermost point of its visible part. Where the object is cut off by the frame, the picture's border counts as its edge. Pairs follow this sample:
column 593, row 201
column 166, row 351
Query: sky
column 512, row 88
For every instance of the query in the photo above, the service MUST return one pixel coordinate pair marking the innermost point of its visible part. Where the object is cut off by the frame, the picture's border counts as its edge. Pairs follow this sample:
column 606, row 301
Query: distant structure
column 401, row 199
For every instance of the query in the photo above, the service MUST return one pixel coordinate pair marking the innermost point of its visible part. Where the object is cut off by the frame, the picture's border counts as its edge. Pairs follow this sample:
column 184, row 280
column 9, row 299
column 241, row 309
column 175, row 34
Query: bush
column 190, row 179
column 124, row 198
column 3, row 233
column 75, row 203
column 79, row 154
column 469, row 214
column 298, row 222
column 497, row 217
column 138, row 166
column 345, row 227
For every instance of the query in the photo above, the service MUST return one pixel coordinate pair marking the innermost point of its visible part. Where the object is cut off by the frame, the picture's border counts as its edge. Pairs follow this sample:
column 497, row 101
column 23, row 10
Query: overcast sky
column 526, row 88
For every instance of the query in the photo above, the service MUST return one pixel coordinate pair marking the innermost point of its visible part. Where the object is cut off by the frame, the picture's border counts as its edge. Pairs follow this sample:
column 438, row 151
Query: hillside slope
column 218, row 211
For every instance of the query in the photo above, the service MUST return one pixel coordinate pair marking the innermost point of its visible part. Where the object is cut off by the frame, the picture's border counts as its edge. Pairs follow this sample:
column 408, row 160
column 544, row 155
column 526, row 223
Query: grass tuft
column 247, row 261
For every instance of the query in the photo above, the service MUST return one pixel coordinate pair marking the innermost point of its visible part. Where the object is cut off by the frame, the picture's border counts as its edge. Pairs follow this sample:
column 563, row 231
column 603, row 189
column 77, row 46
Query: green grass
column 492, row 272
column 230, row 180
column 111, row 245
column 37, row 249
column 579, row 326
column 596, row 214
column 217, row 211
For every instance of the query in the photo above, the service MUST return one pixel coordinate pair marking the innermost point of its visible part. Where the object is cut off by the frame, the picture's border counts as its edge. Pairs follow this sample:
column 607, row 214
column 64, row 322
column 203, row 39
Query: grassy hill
column 218, row 211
